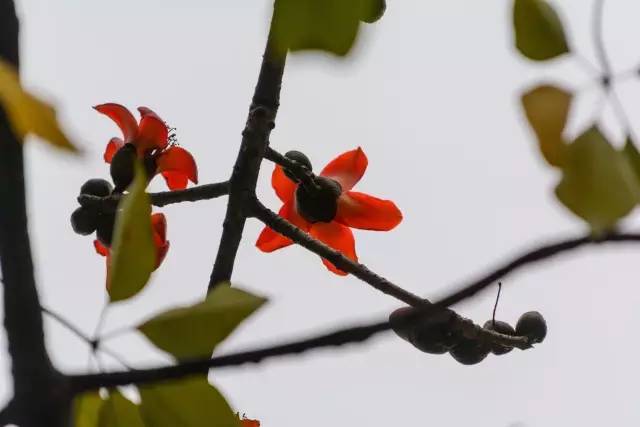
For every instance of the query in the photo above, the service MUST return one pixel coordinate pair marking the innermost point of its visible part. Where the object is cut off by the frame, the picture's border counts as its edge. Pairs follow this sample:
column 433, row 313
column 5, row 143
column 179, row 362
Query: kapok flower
column 246, row 422
column 149, row 141
column 327, row 215
column 159, row 230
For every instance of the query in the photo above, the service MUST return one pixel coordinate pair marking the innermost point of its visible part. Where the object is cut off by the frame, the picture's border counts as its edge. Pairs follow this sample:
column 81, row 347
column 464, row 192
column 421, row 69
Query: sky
column 431, row 95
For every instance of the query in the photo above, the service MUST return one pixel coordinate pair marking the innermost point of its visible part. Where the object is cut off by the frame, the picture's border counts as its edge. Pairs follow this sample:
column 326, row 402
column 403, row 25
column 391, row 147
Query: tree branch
column 255, row 138
column 162, row 198
column 34, row 379
column 340, row 337
column 462, row 325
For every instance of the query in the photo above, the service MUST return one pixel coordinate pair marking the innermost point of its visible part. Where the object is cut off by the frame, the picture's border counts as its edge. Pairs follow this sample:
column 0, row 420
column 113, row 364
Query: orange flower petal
column 269, row 240
column 153, row 132
column 123, row 118
column 159, row 225
column 339, row 237
column 177, row 165
column 347, row 168
column 100, row 248
column 112, row 148
column 246, row 422
column 161, row 253
column 366, row 212
column 284, row 187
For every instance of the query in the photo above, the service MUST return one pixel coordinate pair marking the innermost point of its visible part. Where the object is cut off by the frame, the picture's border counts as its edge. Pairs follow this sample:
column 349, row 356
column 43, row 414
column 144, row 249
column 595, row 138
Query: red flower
column 150, row 138
column 246, row 422
column 159, row 230
column 356, row 210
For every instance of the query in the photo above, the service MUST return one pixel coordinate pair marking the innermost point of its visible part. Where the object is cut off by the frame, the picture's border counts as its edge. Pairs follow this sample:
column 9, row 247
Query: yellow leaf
column 547, row 109
column 133, row 254
column 28, row 114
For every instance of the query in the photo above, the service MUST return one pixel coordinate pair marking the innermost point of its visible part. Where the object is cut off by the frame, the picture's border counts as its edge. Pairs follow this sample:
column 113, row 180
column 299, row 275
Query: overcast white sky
column 431, row 96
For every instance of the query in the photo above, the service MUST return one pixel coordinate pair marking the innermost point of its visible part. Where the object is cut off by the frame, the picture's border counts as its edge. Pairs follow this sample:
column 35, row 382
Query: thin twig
column 340, row 337
column 495, row 306
column 304, row 175
column 162, row 198
column 598, row 39
column 92, row 343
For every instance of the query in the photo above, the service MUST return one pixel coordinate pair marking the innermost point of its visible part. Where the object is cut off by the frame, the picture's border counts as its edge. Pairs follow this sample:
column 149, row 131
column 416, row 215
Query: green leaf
column 372, row 10
column 133, row 253
column 28, row 114
column 538, row 30
column 633, row 156
column 328, row 25
column 86, row 409
column 547, row 109
column 191, row 402
column 195, row 331
column 118, row 411
column 598, row 183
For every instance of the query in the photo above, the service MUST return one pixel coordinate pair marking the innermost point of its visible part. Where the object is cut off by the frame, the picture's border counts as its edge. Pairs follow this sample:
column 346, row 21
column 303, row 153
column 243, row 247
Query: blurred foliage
column 27, row 114
column 118, row 411
column 191, row 402
column 325, row 25
column 598, row 183
column 194, row 331
column 539, row 34
column 133, row 253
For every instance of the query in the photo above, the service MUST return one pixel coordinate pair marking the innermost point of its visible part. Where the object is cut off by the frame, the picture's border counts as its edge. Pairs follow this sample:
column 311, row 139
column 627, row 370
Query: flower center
column 318, row 203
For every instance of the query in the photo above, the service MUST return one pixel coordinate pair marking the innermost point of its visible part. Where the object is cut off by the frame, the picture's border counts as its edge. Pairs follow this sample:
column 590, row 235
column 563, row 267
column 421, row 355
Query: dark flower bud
column 533, row 326
column 502, row 328
column 123, row 167
column 469, row 352
column 299, row 157
column 432, row 334
column 104, row 233
column 96, row 187
column 318, row 204
column 372, row 10
column 84, row 221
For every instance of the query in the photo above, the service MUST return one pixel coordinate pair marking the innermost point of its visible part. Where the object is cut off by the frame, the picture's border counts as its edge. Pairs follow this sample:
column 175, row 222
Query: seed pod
column 532, row 325
column 84, row 221
column 503, row 328
column 318, row 204
column 431, row 335
column 104, row 233
column 96, row 187
column 299, row 157
column 122, row 167
column 469, row 352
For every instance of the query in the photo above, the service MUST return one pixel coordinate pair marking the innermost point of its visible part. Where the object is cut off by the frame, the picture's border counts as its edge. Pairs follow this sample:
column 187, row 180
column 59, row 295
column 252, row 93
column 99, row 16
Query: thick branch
column 340, row 337
column 162, row 198
column 255, row 138
column 34, row 379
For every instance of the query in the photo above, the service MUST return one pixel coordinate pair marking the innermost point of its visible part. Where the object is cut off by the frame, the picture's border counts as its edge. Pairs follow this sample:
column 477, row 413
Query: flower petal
column 112, row 148
column 284, row 187
column 177, row 165
column 123, row 118
column 161, row 253
column 339, row 237
column 347, row 168
column 153, row 132
column 159, row 225
column 100, row 248
column 366, row 212
column 269, row 240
